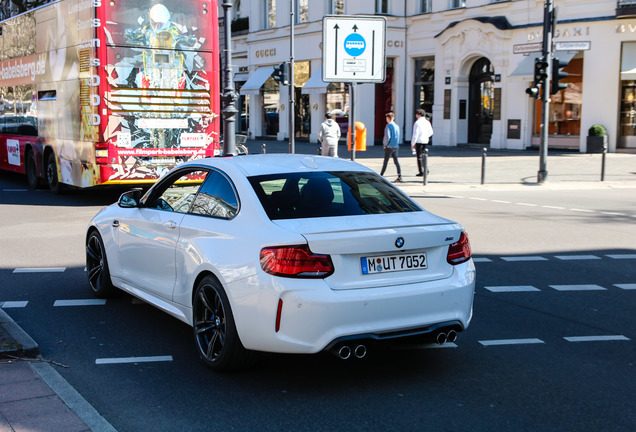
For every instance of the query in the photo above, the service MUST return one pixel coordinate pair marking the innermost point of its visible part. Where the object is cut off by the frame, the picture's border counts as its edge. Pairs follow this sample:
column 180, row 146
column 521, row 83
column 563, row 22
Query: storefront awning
column 315, row 84
column 256, row 80
column 526, row 66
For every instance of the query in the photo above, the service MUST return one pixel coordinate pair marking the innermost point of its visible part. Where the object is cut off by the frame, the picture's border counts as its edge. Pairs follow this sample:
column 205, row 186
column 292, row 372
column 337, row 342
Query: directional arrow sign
column 353, row 48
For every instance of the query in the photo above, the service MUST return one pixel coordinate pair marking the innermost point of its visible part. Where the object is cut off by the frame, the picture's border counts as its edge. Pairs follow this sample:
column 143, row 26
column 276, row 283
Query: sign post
column 353, row 51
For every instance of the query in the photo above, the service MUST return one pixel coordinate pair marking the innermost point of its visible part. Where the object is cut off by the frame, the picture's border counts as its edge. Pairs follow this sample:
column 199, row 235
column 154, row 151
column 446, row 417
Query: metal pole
column 542, row 175
column 425, row 165
column 603, row 162
column 483, row 165
column 352, row 117
column 292, row 88
column 229, row 96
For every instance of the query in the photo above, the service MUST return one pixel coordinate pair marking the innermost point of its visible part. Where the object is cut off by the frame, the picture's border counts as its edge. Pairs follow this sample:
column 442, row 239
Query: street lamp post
column 229, row 96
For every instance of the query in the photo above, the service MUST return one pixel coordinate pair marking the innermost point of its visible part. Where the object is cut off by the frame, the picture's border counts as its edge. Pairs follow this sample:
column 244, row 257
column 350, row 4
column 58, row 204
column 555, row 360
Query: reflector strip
column 279, row 312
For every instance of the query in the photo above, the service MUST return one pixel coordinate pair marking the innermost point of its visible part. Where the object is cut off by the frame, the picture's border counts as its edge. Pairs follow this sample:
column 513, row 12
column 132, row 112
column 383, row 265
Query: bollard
column 425, row 167
column 263, row 148
column 603, row 162
column 483, row 165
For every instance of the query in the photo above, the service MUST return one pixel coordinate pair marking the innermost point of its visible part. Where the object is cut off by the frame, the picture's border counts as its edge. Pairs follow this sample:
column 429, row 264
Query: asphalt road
column 551, row 346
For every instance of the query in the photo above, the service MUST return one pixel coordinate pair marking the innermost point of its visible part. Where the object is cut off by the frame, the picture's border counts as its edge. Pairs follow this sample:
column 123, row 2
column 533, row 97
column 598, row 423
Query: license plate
column 392, row 263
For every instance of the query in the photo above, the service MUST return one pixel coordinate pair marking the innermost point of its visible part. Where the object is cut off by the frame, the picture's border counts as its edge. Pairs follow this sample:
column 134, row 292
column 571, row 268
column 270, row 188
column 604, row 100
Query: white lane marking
column 502, row 201
column 622, row 256
column 589, row 287
column 613, row 214
column 626, row 286
column 582, row 210
column 123, row 360
column 518, row 288
column 40, row 270
column 524, row 258
column 576, row 257
column 15, row 190
column 435, row 345
column 596, row 338
column 527, row 204
column 87, row 302
column 553, row 207
column 511, row 342
column 455, row 196
column 482, row 260
column 477, row 199
column 13, row 304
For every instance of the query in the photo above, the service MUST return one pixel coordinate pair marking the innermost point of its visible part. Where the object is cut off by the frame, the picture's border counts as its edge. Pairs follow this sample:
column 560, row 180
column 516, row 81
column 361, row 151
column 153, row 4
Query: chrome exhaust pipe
column 344, row 352
column 360, row 351
column 451, row 336
column 441, row 338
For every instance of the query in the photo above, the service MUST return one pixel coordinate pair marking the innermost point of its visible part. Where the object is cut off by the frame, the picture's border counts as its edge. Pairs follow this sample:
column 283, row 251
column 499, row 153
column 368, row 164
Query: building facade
column 466, row 62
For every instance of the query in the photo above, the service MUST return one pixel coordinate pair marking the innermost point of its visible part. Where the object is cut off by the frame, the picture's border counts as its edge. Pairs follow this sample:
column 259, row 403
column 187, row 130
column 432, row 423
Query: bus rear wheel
column 51, row 174
column 30, row 169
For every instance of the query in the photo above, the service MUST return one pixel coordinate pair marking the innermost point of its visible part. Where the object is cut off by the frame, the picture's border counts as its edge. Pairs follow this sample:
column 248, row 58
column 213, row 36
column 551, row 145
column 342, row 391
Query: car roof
column 273, row 163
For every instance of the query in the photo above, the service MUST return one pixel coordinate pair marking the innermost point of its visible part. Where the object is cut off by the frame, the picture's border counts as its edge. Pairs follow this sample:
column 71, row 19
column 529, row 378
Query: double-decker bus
column 99, row 92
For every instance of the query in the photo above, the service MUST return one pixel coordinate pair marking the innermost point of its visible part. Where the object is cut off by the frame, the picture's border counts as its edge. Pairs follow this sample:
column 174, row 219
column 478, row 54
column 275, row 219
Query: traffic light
column 533, row 91
column 540, row 70
column 557, row 75
column 281, row 73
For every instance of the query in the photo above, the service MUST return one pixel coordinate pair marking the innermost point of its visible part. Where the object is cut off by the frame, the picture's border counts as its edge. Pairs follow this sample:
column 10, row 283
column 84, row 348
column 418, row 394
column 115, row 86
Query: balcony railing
column 625, row 8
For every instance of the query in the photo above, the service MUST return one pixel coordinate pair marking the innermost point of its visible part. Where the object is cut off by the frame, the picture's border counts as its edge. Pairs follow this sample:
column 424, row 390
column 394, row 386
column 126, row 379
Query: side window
column 216, row 198
column 179, row 194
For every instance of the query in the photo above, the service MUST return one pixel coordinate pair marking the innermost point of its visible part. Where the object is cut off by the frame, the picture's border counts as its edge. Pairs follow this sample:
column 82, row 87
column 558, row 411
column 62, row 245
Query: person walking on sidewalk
column 328, row 135
column 391, row 144
column 422, row 132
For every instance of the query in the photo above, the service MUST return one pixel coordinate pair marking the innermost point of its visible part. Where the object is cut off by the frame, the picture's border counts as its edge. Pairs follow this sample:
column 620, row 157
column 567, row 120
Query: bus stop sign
column 353, row 48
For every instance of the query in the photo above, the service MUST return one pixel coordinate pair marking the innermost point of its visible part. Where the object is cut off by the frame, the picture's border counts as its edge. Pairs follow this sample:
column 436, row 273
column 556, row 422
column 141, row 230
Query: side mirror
column 130, row 199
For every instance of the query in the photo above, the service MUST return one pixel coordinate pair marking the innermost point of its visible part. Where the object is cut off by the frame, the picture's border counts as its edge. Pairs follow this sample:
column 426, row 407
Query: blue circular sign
column 354, row 45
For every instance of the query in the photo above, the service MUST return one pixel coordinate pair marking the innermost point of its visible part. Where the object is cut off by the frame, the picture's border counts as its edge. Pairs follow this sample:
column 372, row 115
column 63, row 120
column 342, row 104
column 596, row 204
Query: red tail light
column 459, row 252
column 295, row 261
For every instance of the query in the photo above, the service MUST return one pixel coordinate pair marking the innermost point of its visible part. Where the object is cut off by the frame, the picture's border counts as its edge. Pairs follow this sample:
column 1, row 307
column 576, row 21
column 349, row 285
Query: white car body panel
column 158, row 256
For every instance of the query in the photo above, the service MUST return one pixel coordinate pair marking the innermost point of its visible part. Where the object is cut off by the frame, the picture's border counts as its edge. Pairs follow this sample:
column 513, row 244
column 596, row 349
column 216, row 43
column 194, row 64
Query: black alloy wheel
column 97, row 267
column 30, row 169
column 215, row 334
column 51, row 174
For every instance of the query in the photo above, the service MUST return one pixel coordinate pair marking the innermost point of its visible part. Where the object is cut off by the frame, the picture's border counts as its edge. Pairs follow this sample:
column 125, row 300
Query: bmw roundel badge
column 399, row 242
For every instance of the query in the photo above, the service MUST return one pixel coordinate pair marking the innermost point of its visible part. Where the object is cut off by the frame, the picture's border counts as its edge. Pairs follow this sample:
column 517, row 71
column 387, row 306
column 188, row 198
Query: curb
column 21, row 344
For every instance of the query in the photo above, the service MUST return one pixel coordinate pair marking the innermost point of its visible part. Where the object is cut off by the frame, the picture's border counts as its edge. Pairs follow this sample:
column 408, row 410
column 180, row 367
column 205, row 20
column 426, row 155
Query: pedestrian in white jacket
column 328, row 135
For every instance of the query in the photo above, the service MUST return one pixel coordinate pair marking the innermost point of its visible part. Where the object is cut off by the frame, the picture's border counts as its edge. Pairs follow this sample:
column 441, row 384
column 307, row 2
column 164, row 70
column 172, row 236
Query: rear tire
column 97, row 267
column 30, row 168
column 215, row 334
column 51, row 175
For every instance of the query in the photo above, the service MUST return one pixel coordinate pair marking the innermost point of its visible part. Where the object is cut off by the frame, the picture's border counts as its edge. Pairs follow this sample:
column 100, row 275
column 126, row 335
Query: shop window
column 271, row 104
column 338, row 105
column 424, row 84
column 565, row 106
column 627, row 126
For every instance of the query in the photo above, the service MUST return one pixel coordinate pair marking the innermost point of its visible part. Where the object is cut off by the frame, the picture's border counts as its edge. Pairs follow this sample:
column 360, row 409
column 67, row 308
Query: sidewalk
column 33, row 396
column 458, row 168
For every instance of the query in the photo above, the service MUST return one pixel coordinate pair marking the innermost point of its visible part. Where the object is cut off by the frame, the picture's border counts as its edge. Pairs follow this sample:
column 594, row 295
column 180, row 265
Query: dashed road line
column 15, row 190
column 589, row 287
column 553, row 207
column 626, row 286
column 576, row 257
column 40, row 270
column 596, row 338
column 499, row 342
column 527, row 204
column 517, row 288
column 124, row 360
column 501, row 201
column 86, row 302
column 13, row 304
column 482, row 260
column 524, row 258
column 582, row 210
column 622, row 256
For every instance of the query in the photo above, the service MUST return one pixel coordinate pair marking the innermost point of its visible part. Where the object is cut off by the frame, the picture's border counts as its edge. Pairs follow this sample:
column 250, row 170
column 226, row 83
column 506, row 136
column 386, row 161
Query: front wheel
column 215, row 333
column 97, row 267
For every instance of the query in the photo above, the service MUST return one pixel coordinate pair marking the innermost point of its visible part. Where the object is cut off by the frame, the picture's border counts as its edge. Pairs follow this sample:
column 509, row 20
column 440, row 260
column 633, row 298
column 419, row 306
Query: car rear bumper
column 314, row 318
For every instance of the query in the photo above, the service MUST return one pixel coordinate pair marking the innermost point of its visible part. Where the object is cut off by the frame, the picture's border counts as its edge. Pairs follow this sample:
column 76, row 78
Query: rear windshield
column 325, row 194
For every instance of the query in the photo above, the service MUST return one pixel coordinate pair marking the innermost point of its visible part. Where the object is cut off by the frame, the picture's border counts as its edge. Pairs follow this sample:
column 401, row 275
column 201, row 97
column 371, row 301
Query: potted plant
column 596, row 138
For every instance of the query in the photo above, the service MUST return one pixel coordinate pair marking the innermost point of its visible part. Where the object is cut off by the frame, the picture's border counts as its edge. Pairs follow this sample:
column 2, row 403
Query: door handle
column 170, row 224
column 115, row 223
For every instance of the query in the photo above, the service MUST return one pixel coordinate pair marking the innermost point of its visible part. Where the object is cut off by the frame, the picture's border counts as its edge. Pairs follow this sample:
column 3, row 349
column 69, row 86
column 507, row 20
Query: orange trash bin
column 361, row 137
